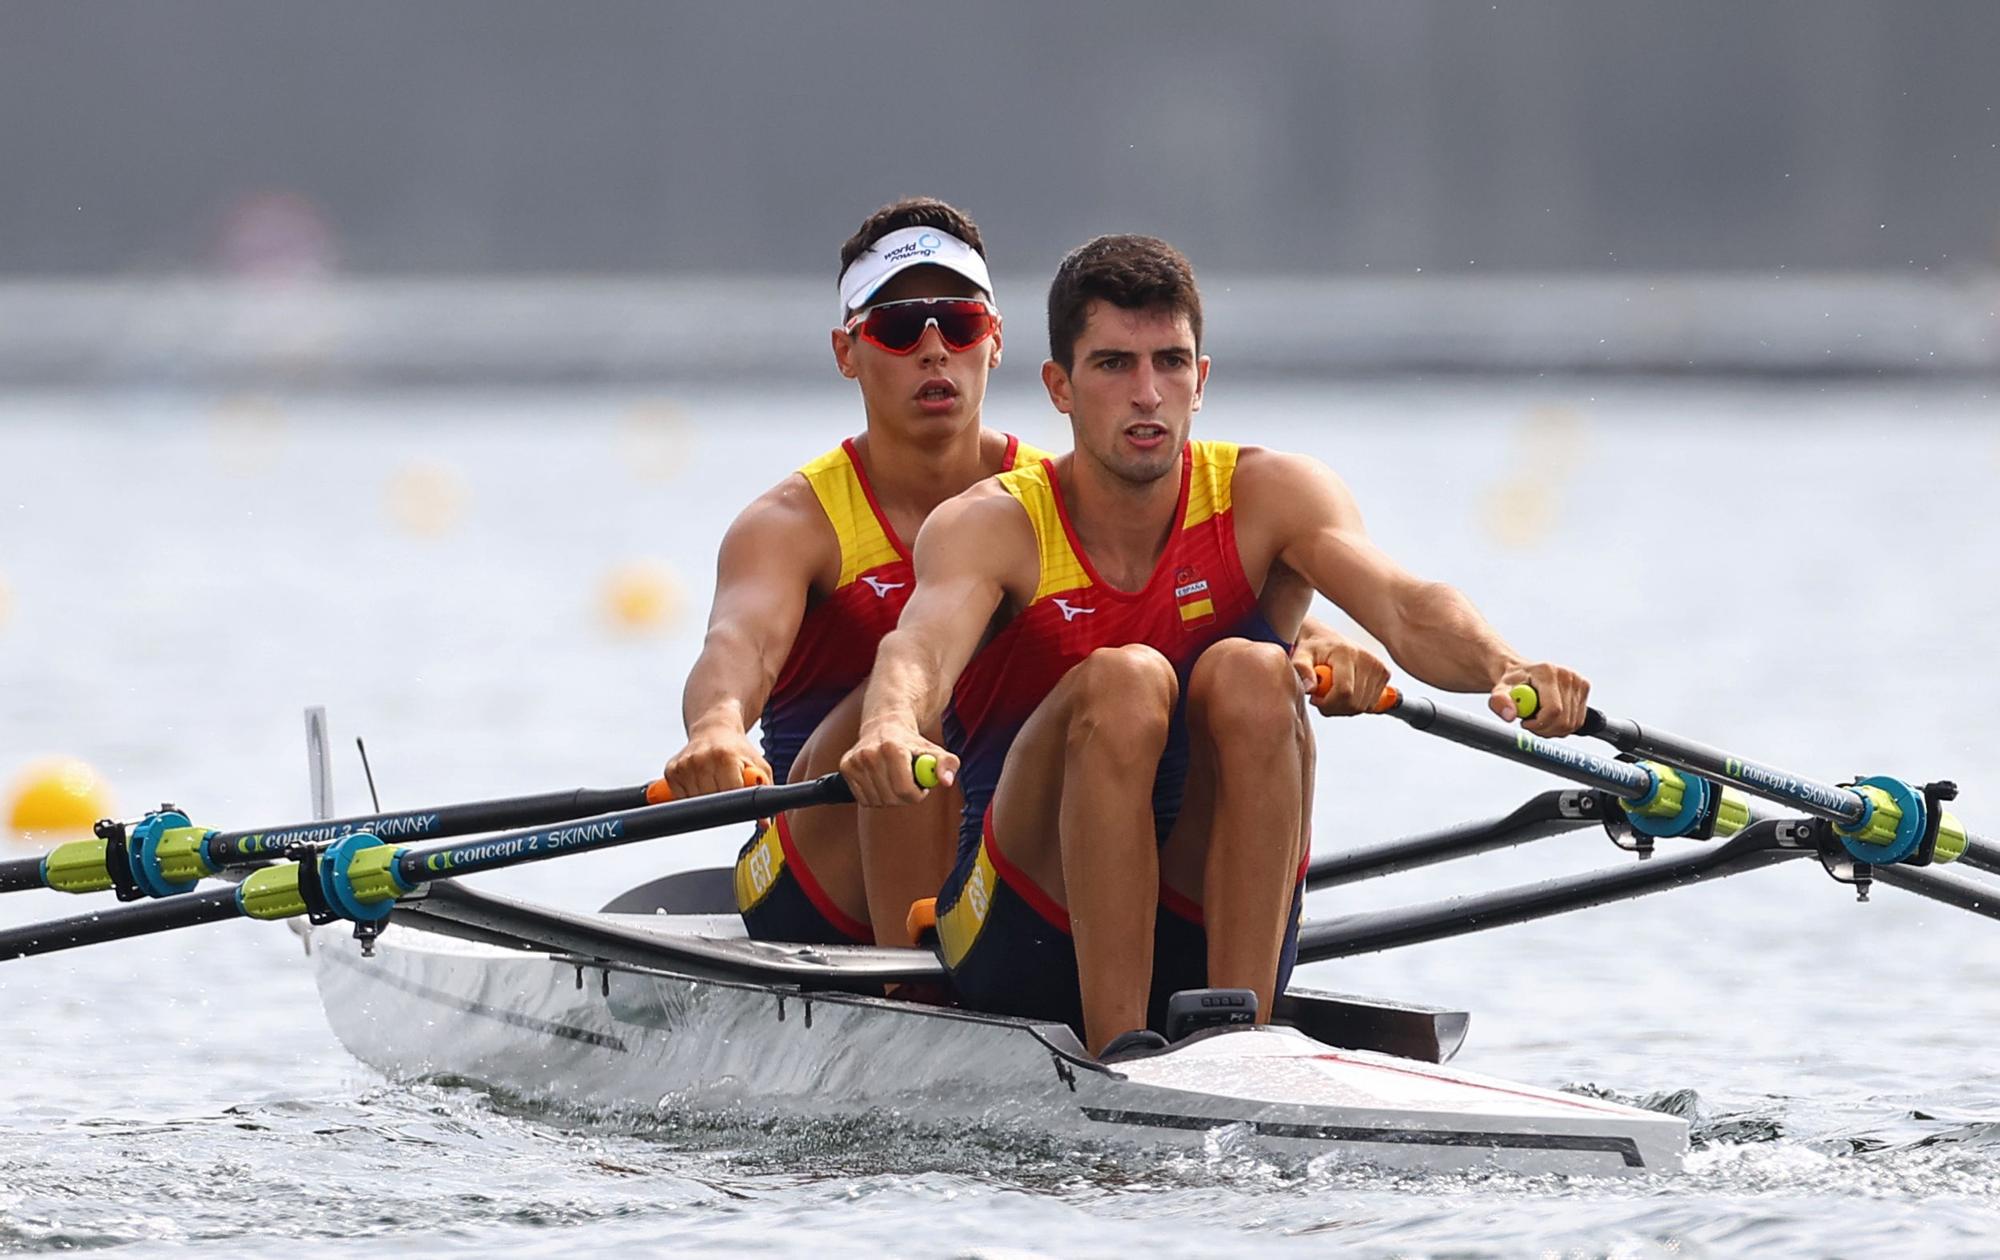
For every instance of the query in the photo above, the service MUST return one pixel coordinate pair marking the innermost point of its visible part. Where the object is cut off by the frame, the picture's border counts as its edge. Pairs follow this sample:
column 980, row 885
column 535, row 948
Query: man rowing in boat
column 1136, row 763
column 814, row 572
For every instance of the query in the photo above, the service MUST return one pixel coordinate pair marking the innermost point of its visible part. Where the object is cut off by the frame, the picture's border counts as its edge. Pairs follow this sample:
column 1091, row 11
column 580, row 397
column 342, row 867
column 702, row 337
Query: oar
column 1880, row 820
column 1657, row 799
column 163, row 854
column 359, row 877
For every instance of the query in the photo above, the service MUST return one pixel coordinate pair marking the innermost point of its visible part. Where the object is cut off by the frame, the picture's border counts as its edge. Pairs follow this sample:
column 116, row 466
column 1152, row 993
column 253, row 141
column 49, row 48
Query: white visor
column 899, row 251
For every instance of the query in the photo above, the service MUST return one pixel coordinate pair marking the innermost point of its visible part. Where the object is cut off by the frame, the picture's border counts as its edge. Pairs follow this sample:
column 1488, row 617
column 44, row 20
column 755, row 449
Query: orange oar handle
column 1323, row 683
column 659, row 791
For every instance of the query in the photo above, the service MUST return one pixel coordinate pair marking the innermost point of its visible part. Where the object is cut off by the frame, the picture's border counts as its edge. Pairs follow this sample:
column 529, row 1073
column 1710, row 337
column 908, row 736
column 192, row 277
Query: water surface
column 1806, row 574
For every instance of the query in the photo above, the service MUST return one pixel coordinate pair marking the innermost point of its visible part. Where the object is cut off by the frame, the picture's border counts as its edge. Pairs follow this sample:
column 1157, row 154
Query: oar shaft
column 360, row 877
column 1657, row 800
column 1982, row 854
column 1370, row 931
column 694, row 814
column 1621, row 779
column 21, row 874
column 233, row 848
column 1824, row 800
column 211, row 906
column 1964, row 894
column 166, row 855
column 1881, row 820
column 1549, row 813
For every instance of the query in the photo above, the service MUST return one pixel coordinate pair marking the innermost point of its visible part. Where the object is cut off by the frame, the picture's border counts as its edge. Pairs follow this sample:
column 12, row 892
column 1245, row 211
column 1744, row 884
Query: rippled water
column 1805, row 574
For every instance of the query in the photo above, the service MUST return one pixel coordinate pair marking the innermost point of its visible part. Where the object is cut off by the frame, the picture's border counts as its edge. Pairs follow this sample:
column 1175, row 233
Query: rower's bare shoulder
column 984, row 507
column 788, row 512
column 1268, row 464
column 985, row 529
column 1282, row 481
column 786, row 519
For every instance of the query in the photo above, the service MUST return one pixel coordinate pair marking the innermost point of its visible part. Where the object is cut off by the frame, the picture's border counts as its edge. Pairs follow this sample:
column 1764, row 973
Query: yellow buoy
column 1558, row 434
column 56, row 798
column 655, row 440
column 1522, row 508
column 640, row 598
column 1518, row 513
column 426, row 499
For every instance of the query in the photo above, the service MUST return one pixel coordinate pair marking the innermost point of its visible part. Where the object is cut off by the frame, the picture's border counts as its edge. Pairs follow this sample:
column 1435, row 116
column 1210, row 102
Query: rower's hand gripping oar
column 1657, row 799
column 1880, row 820
column 359, row 877
column 164, row 854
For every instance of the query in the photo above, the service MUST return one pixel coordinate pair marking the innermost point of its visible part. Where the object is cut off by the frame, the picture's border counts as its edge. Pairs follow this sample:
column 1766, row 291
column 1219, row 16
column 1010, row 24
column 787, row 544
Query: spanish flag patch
column 1191, row 595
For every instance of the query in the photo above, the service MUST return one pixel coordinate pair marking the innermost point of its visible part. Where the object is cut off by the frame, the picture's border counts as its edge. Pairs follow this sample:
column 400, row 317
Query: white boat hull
column 604, row 1036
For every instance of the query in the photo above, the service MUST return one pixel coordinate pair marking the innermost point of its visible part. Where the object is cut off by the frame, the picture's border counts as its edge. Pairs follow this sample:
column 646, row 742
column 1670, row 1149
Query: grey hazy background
column 1567, row 184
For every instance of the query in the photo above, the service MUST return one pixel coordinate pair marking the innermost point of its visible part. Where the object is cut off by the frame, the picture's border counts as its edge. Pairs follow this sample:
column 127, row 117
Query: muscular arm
column 972, row 552
column 1304, row 518
column 764, row 575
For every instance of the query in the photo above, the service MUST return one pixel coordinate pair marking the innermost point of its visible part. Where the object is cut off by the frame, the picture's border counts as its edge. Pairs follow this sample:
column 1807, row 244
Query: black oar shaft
column 185, row 853
column 1823, row 799
column 289, row 890
column 21, row 874
column 211, row 906
column 1845, row 807
column 1371, row 931
column 1982, row 855
column 694, row 814
column 1964, row 894
column 233, row 848
column 1623, row 780
column 1546, row 814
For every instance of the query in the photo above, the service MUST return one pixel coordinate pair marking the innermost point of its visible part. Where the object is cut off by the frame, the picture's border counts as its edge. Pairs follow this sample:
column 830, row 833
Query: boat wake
column 472, row 1163
column 829, row 1144
column 1748, row 1149
column 1707, row 1125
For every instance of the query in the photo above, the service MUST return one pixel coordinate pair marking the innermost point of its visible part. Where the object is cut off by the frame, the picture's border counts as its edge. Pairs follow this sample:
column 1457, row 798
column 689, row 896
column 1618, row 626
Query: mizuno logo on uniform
column 1070, row 611
column 882, row 588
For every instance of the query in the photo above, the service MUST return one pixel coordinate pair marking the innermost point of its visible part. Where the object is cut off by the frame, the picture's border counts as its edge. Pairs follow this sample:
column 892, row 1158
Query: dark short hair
column 1136, row 273
column 909, row 212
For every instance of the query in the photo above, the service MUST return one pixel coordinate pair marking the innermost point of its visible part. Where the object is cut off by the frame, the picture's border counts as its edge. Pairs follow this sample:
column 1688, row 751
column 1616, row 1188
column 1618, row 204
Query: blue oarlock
column 142, row 846
column 1695, row 792
column 1909, row 828
column 339, row 887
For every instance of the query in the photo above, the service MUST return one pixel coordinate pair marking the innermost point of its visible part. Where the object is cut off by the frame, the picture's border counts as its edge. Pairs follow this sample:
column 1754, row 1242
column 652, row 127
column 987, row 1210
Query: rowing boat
column 658, row 1004
column 647, row 1034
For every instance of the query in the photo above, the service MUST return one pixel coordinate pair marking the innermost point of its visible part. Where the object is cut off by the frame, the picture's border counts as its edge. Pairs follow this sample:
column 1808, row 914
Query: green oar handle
column 1528, row 702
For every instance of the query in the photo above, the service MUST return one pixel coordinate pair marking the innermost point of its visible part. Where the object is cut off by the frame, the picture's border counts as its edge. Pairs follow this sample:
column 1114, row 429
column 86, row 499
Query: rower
column 1108, row 627
column 814, row 572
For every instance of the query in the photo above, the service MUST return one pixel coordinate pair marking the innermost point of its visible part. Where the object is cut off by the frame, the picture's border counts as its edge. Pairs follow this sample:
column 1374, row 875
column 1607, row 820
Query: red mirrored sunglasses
column 898, row 326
